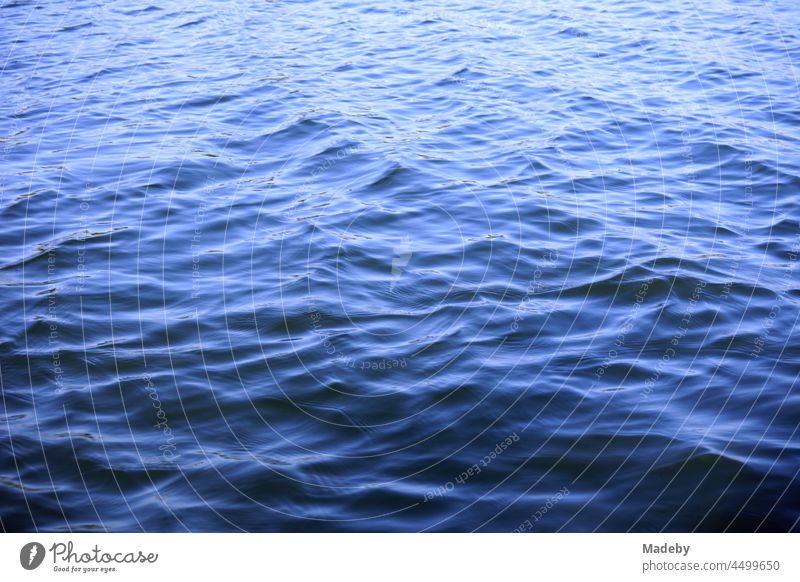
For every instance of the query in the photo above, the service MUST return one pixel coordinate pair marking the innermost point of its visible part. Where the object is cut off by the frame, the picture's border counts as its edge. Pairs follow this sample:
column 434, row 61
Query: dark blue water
column 379, row 266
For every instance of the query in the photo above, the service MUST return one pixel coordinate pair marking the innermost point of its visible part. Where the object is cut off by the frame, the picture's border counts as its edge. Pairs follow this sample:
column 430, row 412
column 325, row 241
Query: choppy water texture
column 379, row 266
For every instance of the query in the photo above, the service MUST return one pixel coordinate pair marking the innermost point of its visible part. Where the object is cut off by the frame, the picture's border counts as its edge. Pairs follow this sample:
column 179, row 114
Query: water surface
column 415, row 266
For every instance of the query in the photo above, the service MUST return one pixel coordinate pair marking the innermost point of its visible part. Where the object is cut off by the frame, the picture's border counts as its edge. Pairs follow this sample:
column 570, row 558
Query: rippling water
column 378, row 266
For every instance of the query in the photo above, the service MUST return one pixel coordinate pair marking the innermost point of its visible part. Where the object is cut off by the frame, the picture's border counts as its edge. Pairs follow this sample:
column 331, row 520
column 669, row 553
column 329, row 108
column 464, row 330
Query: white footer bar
column 401, row 557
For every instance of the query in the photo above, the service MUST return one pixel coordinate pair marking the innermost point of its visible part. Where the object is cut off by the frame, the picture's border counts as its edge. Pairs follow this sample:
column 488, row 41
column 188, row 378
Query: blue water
column 399, row 266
